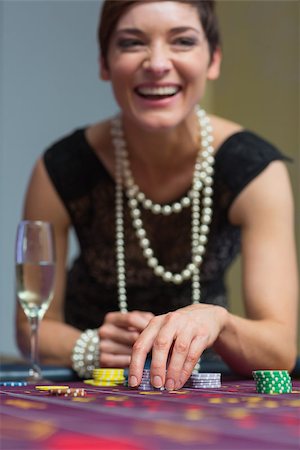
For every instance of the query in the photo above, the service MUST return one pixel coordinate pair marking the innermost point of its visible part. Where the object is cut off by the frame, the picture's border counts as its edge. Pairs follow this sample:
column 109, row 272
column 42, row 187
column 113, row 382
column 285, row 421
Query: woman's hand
column 118, row 334
column 177, row 340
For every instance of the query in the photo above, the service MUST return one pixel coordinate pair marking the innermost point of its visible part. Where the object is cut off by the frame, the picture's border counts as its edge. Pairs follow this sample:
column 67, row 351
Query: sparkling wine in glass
column 35, row 273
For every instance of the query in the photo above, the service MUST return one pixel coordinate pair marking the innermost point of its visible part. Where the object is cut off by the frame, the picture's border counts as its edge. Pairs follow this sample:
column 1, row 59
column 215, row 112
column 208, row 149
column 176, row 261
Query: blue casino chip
column 13, row 383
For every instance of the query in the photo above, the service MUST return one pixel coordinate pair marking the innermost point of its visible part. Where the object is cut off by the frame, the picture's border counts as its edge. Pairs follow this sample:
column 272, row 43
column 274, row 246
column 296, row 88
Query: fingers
column 110, row 360
column 146, row 314
column 140, row 350
column 108, row 346
column 177, row 342
column 174, row 352
column 114, row 354
column 177, row 359
column 122, row 336
column 137, row 320
column 180, row 371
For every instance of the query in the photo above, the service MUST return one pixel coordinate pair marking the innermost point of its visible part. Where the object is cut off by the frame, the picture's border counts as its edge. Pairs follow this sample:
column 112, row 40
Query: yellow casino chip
column 51, row 387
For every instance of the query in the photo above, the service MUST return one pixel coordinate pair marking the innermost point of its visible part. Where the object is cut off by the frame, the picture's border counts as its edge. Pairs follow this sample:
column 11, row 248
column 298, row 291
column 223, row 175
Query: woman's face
column 158, row 63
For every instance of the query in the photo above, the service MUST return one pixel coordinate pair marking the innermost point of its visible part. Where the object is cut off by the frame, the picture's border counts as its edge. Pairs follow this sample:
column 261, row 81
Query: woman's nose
column 157, row 61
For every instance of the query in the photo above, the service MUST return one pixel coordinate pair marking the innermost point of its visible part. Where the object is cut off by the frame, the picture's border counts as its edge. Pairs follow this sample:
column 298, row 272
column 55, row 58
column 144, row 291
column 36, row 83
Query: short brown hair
column 113, row 10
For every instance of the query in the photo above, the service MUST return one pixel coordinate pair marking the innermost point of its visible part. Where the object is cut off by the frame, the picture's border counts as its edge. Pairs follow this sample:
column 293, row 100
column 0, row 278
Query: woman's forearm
column 55, row 341
column 247, row 344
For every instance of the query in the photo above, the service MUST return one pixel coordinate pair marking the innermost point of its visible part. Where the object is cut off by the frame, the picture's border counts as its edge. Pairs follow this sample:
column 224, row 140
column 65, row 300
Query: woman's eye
column 127, row 44
column 185, row 42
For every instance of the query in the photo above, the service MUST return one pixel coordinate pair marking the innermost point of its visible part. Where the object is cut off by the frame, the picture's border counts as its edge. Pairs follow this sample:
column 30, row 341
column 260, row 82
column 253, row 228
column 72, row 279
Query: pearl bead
column 177, row 278
column 133, row 203
column 202, row 239
column 156, row 209
column 148, row 204
column 208, row 181
column 207, row 210
column 144, row 243
column 198, row 259
column 152, row 262
column 177, row 207
column 192, row 267
column 186, row 274
column 158, row 270
column 135, row 213
column 167, row 276
column 200, row 249
column 141, row 233
column 186, row 202
column 166, row 210
column 137, row 223
column 206, row 219
column 207, row 191
column 140, row 195
column 148, row 252
column 207, row 201
column 204, row 229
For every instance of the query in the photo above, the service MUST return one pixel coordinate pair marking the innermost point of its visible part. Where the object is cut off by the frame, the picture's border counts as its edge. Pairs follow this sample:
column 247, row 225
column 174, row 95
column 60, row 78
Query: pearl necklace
column 202, row 184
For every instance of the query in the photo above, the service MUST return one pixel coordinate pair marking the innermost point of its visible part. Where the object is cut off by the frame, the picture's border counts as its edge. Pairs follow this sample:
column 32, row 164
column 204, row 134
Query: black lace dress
column 88, row 193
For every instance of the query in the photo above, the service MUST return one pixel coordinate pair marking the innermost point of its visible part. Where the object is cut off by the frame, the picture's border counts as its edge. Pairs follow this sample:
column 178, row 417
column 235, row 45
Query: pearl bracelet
column 85, row 355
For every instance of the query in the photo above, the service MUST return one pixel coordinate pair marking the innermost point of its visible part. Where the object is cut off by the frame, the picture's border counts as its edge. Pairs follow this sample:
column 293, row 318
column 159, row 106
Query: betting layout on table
column 104, row 413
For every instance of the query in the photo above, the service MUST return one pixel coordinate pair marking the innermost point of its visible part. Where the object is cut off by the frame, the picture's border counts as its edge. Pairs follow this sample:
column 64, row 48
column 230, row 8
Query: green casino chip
column 272, row 381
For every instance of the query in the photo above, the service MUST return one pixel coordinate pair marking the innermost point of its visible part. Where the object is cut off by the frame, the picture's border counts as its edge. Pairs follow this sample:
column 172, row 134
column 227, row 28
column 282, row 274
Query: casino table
column 231, row 417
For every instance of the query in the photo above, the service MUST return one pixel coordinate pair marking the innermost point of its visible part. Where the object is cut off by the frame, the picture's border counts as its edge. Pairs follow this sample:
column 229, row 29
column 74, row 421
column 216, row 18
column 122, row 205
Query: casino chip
column 272, row 381
column 50, row 387
column 203, row 380
column 107, row 377
column 68, row 392
column 13, row 383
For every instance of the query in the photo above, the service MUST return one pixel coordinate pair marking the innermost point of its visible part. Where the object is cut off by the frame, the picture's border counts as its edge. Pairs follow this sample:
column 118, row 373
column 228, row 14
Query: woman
column 162, row 197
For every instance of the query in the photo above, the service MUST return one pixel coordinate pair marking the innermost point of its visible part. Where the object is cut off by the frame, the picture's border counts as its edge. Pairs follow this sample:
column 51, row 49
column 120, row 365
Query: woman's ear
column 103, row 70
column 213, row 71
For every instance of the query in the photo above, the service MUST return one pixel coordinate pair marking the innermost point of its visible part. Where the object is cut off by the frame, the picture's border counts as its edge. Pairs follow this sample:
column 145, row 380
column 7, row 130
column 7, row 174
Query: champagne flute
column 35, row 273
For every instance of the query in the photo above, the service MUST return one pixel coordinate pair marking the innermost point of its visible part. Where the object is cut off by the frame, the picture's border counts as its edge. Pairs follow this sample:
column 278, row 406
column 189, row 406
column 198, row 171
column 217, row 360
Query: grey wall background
column 49, row 85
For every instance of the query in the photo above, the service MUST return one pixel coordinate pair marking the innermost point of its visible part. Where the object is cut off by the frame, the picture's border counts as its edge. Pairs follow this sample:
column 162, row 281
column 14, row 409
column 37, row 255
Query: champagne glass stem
column 35, row 372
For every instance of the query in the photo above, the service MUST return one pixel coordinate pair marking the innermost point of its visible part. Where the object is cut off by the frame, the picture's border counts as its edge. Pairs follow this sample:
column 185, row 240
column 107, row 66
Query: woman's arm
column 264, row 210
column 266, row 338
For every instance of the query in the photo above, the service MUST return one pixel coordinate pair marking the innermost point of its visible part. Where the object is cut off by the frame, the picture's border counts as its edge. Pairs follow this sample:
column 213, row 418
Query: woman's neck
column 162, row 149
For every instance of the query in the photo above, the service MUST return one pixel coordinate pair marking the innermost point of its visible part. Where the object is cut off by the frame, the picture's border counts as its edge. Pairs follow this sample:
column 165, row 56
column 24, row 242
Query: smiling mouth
column 156, row 93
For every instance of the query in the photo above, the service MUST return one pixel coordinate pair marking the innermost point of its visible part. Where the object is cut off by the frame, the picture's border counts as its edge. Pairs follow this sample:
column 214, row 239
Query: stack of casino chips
column 203, row 380
column 13, row 383
column 272, row 381
column 107, row 377
column 196, row 381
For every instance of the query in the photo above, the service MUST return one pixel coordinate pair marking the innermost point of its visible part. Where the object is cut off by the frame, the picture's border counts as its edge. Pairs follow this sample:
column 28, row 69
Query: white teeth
column 166, row 90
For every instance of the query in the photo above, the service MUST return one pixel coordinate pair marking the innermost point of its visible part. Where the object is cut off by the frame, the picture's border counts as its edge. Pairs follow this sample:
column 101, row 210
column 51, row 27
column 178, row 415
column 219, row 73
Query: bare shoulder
column 223, row 129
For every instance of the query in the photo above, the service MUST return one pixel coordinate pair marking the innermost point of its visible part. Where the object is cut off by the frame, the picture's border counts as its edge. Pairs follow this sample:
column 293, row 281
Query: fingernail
column 178, row 385
column 170, row 384
column 133, row 381
column 157, row 381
